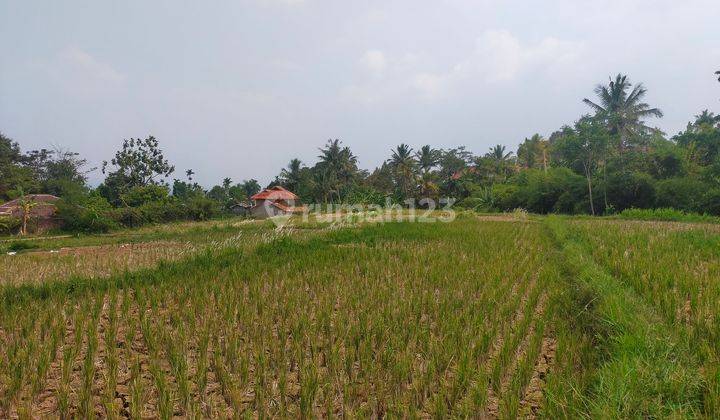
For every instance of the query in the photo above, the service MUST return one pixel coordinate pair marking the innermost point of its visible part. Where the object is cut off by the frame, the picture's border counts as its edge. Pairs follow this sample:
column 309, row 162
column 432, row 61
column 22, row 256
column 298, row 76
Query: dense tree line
column 606, row 161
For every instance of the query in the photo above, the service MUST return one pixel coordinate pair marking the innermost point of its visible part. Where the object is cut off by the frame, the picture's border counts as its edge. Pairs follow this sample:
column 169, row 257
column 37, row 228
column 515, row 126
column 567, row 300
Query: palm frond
column 593, row 105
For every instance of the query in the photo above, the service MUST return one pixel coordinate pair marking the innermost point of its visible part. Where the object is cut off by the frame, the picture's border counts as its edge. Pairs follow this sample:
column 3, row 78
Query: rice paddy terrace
column 497, row 316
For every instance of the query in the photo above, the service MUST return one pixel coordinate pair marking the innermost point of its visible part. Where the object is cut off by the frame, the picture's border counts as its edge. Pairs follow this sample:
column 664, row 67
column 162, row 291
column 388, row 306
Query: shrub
column 507, row 197
column 21, row 246
column 557, row 190
column 680, row 193
column 9, row 225
column 90, row 214
column 128, row 216
column 630, row 189
column 201, row 208
column 665, row 214
column 161, row 211
column 138, row 196
column 481, row 199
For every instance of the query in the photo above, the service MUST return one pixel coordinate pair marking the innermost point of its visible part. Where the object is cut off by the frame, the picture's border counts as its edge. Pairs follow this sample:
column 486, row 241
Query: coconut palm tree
column 402, row 156
column 500, row 161
column 622, row 108
column 337, row 169
column 403, row 165
column 427, row 158
column 706, row 117
column 497, row 153
column 326, row 186
column 290, row 176
column 339, row 161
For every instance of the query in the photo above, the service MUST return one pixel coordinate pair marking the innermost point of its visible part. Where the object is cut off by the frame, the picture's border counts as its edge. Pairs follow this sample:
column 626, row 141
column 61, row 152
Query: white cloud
column 374, row 60
column 501, row 57
column 429, row 84
column 498, row 57
column 84, row 63
column 81, row 74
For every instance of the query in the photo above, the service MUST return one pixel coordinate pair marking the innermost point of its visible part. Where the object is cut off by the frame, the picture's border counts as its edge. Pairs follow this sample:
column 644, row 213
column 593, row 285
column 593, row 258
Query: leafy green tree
column 584, row 148
column 533, row 153
column 558, row 190
column 381, row 179
column 139, row 163
column 628, row 189
column 452, row 176
column 63, row 173
column 184, row 191
column 684, row 194
column 140, row 195
column 622, row 108
column 242, row 191
column 665, row 160
column 13, row 175
column 701, row 139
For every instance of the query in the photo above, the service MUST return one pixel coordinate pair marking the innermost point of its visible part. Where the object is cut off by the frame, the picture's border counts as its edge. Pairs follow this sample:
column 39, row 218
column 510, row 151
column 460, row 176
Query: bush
column 138, row 196
column 557, row 190
column 21, row 246
column 630, row 189
column 481, row 199
column 710, row 203
column 128, row 216
column 162, row 211
column 665, row 214
column 201, row 208
column 507, row 197
column 9, row 225
column 680, row 193
column 91, row 214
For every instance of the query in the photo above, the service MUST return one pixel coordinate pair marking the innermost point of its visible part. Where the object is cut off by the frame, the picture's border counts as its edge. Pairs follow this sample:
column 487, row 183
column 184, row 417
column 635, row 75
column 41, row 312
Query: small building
column 42, row 214
column 241, row 209
column 274, row 201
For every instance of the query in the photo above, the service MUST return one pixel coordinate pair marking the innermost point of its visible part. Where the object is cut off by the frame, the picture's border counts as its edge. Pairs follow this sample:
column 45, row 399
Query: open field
column 486, row 316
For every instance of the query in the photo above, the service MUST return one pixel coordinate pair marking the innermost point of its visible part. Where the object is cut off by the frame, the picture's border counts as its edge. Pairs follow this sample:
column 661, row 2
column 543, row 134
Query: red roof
column 274, row 193
column 457, row 175
column 289, row 209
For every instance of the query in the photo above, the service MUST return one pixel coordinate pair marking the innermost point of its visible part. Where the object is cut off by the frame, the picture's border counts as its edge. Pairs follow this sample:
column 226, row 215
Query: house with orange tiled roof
column 274, row 201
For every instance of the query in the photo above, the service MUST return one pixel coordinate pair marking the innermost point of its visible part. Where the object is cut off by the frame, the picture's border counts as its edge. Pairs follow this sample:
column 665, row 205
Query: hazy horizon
column 237, row 89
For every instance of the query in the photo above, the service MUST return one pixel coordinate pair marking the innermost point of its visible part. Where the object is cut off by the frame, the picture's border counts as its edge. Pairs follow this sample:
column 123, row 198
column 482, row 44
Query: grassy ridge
column 634, row 365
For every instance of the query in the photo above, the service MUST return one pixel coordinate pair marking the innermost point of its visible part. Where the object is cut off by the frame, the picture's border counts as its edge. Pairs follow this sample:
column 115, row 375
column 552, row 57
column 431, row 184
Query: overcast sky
column 238, row 88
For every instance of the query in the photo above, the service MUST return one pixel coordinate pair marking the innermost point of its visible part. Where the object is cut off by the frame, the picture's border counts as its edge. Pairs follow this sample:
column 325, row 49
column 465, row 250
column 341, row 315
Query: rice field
column 490, row 316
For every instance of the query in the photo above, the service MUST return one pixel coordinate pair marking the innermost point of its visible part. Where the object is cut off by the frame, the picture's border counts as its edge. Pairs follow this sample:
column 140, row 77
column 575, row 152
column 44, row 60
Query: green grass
column 668, row 215
column 635, row 364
